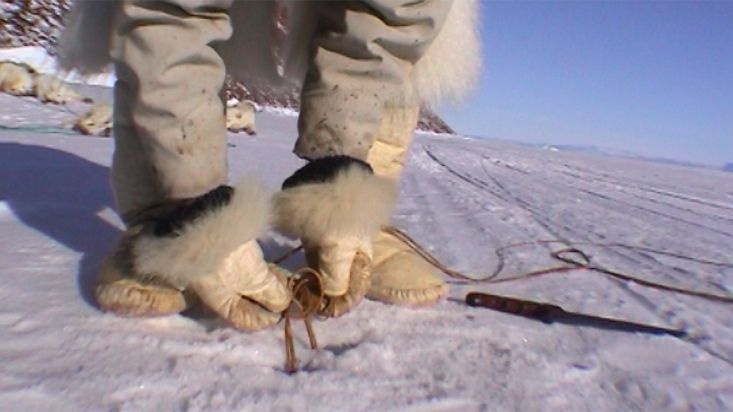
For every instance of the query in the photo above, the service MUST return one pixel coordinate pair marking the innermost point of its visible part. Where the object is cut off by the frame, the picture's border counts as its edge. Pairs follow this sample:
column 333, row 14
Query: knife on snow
column 548, row 313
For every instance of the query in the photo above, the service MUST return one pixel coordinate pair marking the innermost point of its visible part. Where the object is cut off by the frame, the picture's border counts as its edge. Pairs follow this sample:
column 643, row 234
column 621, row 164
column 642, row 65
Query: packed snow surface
column 37, row 58
column 462, row 199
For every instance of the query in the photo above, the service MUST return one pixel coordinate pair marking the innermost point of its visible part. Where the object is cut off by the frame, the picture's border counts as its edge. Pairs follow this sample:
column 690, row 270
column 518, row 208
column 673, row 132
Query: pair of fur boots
column 205, row 249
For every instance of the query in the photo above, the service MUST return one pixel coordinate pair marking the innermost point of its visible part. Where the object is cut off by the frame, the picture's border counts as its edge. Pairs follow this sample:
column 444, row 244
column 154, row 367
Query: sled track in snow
column 611, row 199
column 618, row 186
column 502, row 193
column 654, row 212
column 472, row 217
column 633, row 257
column 643, row 186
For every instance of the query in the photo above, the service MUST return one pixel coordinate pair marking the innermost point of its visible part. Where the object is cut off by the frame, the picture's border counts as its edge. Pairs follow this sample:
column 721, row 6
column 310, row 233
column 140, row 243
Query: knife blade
column 549, row 313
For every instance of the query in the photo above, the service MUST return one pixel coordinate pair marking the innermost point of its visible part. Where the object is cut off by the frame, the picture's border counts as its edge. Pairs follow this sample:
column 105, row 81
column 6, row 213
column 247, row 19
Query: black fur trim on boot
column 186, row 240
column 187, row 210
column 323, row 170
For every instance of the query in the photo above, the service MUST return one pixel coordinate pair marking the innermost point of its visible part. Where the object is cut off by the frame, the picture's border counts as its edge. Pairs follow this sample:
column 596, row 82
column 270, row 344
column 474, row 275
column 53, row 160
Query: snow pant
column 362, row 55
column 169, row 123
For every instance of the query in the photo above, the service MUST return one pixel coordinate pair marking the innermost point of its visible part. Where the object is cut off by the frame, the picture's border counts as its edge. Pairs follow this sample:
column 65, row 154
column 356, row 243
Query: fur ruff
column 450, row 68
column 204, row 243
column 355, row 203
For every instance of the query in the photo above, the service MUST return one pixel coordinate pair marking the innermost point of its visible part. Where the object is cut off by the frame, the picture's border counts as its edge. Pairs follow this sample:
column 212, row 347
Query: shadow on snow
column 61, row 195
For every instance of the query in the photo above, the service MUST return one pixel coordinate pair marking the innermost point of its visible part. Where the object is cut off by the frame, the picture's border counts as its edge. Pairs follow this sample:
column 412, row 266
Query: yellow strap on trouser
column 387, row 155
column 362, row 56
column 399, row 275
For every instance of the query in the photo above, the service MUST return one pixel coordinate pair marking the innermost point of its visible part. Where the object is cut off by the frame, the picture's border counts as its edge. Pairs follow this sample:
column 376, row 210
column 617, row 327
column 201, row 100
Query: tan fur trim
column 204, row 243
column 97, row 121
column 16, row 79
column 241, row 117
column 50, row 89
column 354, row 204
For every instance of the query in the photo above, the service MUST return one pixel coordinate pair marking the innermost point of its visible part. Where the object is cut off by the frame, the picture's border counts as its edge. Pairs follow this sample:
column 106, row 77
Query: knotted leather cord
column 307, row 291
column 573, row 259
column 308, row 294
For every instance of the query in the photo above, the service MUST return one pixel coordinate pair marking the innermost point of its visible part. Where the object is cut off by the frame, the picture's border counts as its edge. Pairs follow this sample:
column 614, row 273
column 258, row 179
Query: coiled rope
column 308, row 296
column 573, row 258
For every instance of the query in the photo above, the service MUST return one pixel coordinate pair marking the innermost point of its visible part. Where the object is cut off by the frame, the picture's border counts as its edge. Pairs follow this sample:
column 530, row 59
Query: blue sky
column 652, row 78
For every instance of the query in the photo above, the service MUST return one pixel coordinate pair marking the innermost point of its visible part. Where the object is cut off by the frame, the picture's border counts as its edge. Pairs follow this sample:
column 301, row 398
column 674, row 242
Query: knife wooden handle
column 539, row 311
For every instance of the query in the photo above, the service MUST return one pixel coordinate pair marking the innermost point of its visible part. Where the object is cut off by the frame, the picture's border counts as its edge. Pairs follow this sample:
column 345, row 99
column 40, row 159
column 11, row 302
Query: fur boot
column 206, row 245
column 399, row 275
column 335, row 205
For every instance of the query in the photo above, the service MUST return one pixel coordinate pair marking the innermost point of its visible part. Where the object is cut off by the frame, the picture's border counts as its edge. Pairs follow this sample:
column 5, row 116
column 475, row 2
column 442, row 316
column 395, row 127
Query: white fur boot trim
column 353, row 204
column 203, row 244
column 336, row 216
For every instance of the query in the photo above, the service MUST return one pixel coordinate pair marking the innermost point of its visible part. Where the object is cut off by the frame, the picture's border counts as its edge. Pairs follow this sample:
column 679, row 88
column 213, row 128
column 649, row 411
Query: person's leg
column 186, row 229
column 362, row 57
column 169, row 128
column 445, row 73
column 399, row 275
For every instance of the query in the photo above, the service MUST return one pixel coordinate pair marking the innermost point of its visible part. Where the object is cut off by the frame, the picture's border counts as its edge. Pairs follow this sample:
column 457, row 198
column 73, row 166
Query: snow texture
column 37, row 58
column 462, row 199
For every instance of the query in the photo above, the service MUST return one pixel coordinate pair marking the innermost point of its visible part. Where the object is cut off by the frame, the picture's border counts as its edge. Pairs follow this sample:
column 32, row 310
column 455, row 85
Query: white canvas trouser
column 169, row 126
column 169, row 122
column 361, row 57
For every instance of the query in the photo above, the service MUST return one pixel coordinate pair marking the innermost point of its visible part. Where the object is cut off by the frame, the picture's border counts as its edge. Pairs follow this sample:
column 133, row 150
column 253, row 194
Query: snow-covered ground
column 42, row 62
column 462, row 199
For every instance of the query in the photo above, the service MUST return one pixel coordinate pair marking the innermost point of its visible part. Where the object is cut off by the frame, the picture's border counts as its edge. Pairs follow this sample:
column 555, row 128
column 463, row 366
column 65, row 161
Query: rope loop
column 306, row 289
column 574, row 258
column 308, row 295
column 570, row 256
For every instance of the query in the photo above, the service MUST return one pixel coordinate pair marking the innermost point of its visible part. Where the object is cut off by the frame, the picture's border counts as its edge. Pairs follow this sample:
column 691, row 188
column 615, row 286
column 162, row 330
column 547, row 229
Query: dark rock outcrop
column 32, row 22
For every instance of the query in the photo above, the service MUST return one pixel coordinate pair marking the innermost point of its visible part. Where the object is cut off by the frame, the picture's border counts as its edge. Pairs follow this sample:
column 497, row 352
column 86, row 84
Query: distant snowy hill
column 463, row 199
